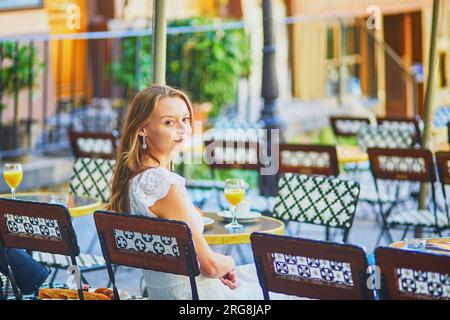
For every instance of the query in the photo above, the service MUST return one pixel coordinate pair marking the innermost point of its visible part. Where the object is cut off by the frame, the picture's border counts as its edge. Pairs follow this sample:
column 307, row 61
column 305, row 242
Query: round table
column 217, row 234
column 351, row 154
column 78, row 205
column 435, row 245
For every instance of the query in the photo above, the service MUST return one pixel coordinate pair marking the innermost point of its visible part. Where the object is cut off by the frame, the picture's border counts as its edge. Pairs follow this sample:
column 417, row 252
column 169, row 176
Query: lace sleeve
column 153, row 185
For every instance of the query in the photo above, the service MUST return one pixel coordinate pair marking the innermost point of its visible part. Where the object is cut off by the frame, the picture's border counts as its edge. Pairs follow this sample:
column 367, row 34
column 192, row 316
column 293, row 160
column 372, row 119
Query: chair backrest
column 408, row 274
column 344, row 126
column 92, row 177
column 232, row 154
column 147, row 243
column 37, row 226
column 411, row 125
column 308, row 159
column 442, row 162
column 319, row 200
column 441, row 116
column 87, row 144
column 384, row 137
column 402, row 164
column 309, row 268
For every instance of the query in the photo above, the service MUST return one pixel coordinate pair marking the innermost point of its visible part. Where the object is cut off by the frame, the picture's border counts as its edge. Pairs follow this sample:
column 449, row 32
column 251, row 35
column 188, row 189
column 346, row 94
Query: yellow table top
column 78, row 205
column 349, row 154
column 217, row 234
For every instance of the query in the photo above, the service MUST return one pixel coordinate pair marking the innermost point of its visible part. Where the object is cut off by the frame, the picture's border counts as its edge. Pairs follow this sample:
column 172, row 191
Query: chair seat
column 423, row 218
column 84, row 261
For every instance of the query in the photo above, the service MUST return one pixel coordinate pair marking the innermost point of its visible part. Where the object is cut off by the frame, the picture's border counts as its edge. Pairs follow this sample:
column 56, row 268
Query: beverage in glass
column 234, row 193
column 13, row 174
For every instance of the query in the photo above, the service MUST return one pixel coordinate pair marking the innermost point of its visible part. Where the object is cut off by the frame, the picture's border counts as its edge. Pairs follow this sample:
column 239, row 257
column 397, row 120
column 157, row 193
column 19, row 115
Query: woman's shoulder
column 158, row 175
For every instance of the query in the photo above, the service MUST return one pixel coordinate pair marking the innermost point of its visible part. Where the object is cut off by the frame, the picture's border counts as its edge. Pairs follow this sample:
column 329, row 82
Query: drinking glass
column 13, row 174
column 234, row 193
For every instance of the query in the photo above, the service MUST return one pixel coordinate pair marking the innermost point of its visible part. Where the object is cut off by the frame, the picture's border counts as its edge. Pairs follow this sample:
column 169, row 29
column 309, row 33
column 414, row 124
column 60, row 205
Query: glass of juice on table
column 13, row 175
column 234, row 193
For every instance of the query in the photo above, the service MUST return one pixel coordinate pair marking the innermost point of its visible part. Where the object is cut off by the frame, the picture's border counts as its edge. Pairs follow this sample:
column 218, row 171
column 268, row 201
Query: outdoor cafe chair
column 408, row 124
column 345, row 126
column 310, row 269
column 319, row 200
column 442, row 163
column 45, row 230
column 412, row 274
column 86, row 144
column 399, row 166
column 147, row 243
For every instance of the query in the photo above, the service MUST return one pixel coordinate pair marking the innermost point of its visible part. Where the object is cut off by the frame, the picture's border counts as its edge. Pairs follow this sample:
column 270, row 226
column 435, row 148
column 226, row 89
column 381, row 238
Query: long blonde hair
column 130, row 154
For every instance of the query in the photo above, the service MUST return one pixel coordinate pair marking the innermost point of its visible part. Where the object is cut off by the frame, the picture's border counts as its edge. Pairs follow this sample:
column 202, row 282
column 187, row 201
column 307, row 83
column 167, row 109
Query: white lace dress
column 147, row 188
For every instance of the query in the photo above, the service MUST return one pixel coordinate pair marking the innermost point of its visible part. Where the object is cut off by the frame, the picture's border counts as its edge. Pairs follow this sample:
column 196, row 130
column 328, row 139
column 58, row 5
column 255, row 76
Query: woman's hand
column 230, row 280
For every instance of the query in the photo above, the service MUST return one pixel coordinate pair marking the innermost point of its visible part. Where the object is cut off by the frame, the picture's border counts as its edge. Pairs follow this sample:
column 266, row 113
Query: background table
column 217, row 234
column 78, row 205
column 444, row 242
column 351, row 154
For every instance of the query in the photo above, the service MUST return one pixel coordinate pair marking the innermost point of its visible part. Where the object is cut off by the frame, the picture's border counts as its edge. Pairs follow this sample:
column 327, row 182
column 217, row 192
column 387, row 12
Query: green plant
column 16, row 71
column 208, row 64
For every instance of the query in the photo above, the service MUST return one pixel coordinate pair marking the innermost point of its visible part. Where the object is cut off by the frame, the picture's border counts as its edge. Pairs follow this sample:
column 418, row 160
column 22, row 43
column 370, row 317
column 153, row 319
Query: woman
column 158, row 123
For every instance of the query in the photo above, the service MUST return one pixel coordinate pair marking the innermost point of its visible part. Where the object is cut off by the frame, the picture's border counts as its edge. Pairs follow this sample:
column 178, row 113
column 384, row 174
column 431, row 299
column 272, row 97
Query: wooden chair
column 411, row 125
column 318, row 200
column 39, row 227
column 308, row 159
column 413, row 275
column 344, row 126
column 147, row 243
column 442, row 163
column 309, row 268
column 85, row 144
column 406, row 166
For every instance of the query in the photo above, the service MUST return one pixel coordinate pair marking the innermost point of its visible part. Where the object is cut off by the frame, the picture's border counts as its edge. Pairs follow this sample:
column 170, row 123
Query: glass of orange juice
column 234, row 193
column 13, row 175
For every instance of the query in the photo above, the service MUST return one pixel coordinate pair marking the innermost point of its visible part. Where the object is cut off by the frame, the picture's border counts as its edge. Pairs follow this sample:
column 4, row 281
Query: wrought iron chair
column 411, row 125
column 310, row 269
column 92, row 177
column 87, row 144
column 442, row 163
column 344, row 126
column 406, row 166
column 413, row 275
column 318, row 200
column 45, row 229
column 147, row 243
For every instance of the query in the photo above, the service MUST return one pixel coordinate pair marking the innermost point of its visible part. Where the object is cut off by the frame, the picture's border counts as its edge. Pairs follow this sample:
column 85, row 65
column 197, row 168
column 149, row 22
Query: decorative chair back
column 347, row 126
column 413, row 275
column 92, row 177
column 147, row 243
column 318, row 200
column 309, row 268
column 411, row 125
column 86, row 144
column 308, row 159
column 384, row 137
column 36, row 226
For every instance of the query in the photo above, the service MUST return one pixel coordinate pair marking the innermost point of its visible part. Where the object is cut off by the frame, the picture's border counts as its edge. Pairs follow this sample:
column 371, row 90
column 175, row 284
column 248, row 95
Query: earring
column 144, row 144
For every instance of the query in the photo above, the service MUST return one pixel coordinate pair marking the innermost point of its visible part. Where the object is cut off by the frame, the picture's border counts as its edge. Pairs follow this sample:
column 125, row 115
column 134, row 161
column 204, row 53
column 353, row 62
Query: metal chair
column 411, row 125
column 85, row 144
column 310, row 269
column 399, row 166
column 318, row 200
column 413, row 275
column 442, row 163
column 344, row 126
column 147, row 243
column 39, row 227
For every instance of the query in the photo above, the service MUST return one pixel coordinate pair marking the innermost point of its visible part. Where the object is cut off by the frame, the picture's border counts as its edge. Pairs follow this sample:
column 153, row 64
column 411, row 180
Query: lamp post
column 159, row 42
column 269, row 92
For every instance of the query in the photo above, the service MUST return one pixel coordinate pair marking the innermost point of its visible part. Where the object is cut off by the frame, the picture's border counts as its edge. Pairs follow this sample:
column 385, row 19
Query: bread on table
column 66, row 294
